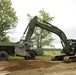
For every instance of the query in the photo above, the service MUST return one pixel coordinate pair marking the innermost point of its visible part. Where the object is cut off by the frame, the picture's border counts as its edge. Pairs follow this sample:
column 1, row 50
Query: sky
column 64, row 12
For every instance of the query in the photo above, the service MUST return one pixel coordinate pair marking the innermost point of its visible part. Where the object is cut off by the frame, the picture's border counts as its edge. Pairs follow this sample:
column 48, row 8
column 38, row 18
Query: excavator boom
column 69, row 46
column 34, row 22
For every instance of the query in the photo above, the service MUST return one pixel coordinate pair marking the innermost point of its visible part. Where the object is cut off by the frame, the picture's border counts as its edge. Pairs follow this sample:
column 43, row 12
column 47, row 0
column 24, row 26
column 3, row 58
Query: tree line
column 9, row 20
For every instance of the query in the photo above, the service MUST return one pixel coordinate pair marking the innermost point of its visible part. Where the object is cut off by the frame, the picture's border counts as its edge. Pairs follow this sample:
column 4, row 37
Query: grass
column 46, row 56
column 15, row 57
column 51, row 53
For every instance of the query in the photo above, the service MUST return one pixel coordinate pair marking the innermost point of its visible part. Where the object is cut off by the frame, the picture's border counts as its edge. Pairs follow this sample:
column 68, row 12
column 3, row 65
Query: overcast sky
column 64, row 12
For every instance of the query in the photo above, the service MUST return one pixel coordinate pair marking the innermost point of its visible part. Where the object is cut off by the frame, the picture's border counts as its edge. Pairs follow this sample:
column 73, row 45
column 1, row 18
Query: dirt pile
column 14, row 65
column 36, row 67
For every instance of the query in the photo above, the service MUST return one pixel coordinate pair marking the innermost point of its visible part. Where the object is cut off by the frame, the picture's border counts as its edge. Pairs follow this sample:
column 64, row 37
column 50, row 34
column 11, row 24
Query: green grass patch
column 47, row 55
column 51, row 53
column 43, row 57
column 15, row 57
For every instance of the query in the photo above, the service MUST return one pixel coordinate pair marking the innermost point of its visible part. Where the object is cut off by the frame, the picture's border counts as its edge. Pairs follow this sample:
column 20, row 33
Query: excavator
column 69, row 45
column 23, row 47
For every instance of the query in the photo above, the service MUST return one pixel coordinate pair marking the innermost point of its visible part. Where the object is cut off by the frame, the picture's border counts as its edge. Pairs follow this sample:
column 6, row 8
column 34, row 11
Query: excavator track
column 58, row 58
column 64, row 58
column 69, row 59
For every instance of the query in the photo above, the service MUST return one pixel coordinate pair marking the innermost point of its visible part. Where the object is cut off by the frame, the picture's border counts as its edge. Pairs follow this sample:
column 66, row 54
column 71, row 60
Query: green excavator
column 69, row 45
column 22, row 48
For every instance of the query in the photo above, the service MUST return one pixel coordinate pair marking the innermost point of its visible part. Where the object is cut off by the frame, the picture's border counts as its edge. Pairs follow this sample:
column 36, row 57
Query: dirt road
column 37, row 67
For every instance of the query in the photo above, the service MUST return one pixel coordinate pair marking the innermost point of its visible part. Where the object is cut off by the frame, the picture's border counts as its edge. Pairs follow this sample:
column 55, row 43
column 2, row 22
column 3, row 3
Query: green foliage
column 43, row 16
column 8, row 18
column 42, row 37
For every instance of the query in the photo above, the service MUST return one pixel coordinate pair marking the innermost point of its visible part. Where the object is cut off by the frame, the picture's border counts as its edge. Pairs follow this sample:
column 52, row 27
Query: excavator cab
column 72, row 45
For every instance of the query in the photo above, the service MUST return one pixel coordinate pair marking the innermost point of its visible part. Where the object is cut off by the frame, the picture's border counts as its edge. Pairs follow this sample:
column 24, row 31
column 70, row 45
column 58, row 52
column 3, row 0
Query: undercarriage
column 65, row 58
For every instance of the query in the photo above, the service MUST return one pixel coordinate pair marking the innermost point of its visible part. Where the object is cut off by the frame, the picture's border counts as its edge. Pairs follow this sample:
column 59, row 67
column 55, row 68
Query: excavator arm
column 34, row 22
column 31, row 28
column 54, row 30
column 69, row 46
column 60, row 33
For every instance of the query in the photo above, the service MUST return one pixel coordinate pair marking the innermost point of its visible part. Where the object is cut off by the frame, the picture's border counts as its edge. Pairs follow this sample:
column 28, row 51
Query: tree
column 8, row 18
column 42, row 37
